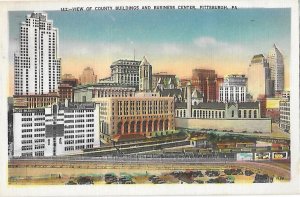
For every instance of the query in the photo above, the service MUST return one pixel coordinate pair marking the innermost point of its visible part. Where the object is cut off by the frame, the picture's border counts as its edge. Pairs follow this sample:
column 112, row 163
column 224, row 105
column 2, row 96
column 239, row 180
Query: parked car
column 248, row 172
column 85, row 180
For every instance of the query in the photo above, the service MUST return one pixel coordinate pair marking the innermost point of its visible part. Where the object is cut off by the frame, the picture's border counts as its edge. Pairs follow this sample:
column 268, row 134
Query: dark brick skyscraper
column 205, row 81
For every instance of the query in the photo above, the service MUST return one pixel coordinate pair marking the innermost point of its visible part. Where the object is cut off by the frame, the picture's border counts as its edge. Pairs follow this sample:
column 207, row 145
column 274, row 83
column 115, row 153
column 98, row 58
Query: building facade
column 35, row 101
column 65, row 91
column 126, row 72
column 259, row 78
column 37, row 67
column 101, row 90
column 284, row 111
column 205, row 81
column 61, row 129
column 143, row 114
column 88, row 76
column 276, row 64
column 216, row 110
column 233, row 89
column 235, row 117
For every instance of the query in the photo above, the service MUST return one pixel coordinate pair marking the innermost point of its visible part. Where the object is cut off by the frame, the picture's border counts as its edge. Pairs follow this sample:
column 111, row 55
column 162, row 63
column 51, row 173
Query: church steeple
column 145, row 71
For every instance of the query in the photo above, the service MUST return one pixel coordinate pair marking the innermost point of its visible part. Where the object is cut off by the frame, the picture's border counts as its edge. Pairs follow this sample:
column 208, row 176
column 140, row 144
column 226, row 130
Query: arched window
column 250, row 113
column 255, row 114
column 60, row 141
column 240, row 113
column 194, row 114
column 232, row 113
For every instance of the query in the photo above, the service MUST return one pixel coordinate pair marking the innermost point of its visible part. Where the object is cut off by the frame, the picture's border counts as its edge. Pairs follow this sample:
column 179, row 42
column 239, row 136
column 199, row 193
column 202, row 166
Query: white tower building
column 37, row 66
column 276, row 64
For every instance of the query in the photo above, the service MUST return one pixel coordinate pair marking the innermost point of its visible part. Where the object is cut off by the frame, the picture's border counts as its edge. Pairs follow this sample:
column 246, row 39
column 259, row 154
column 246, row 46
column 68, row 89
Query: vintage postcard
column 149, row 98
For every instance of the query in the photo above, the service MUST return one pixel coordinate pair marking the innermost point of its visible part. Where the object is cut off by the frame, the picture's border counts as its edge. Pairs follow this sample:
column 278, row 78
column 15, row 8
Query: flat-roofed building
column 61, row 129
column 233, row 89
column 86, row 93
column 145, row 114
column 126, row 72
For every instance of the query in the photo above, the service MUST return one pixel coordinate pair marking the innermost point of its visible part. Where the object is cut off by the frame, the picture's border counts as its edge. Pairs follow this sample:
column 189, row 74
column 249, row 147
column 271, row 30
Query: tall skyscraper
column 205, row 81
column 259, row 82
column 276, row 64
column 88, row 76
column 37, row 66
column 145, row 72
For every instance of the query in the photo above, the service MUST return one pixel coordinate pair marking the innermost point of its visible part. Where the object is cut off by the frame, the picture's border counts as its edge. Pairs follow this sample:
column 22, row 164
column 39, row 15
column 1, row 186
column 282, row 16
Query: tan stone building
column 145, row 114
column 87, row 76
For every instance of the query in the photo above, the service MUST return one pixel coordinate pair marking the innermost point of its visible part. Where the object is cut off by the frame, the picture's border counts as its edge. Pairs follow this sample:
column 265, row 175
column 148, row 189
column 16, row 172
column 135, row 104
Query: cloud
column 218, row 46
column 170, row 49
column 204, row 42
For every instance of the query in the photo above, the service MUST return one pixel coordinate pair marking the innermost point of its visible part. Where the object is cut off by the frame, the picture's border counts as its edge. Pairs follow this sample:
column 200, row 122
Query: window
column 48, row 141
column 255, row 114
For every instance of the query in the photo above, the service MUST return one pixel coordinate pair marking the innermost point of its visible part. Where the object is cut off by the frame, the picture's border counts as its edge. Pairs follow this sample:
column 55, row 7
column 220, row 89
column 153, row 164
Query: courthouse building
column 237, row 117
column 145, row 114
column 61, row 129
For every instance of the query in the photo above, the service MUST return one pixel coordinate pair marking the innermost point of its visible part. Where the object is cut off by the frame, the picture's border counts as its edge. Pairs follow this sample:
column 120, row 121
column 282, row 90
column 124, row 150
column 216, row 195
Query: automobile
column 248, row 173
column 212, row 173
column 197, row 174
column 211, row 181
column 110, row 178
column 109, row 175
column 71, row 183
column 199, row 181
column 84, row 180
column 152, row 177
column 262, row 178
column 124, row 180
column 176, row 173
column 129, row 182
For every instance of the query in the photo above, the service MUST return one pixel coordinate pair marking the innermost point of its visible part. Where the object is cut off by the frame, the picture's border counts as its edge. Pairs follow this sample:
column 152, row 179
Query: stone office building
column 145, row 114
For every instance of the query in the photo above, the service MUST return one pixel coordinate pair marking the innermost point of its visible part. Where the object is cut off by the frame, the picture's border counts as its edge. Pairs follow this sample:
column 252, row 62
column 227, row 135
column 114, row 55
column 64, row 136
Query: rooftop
column 125, row 62
column 103, row 85
column 77, row 105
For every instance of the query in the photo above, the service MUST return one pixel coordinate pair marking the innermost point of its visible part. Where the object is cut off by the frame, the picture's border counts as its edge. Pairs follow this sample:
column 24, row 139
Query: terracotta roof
column 128, row 137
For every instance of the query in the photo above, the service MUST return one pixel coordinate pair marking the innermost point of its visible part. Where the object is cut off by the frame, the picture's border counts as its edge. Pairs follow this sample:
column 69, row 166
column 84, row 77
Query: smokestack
column 189, row 100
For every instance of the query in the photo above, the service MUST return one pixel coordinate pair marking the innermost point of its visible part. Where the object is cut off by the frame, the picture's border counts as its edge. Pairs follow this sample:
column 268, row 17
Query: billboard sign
column 279, row 155
column 244, row 156
column 262, row 156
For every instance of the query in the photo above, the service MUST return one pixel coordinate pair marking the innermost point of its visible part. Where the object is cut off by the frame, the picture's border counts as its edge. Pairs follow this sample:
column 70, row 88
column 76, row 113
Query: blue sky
column 170, row 39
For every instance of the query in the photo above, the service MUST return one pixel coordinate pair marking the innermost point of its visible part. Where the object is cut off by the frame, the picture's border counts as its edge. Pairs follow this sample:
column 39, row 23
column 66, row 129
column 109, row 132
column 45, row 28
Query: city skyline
column 214, row 44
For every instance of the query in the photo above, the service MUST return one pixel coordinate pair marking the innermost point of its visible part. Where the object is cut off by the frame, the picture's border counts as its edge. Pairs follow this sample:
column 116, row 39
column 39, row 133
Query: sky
column 174, row 41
